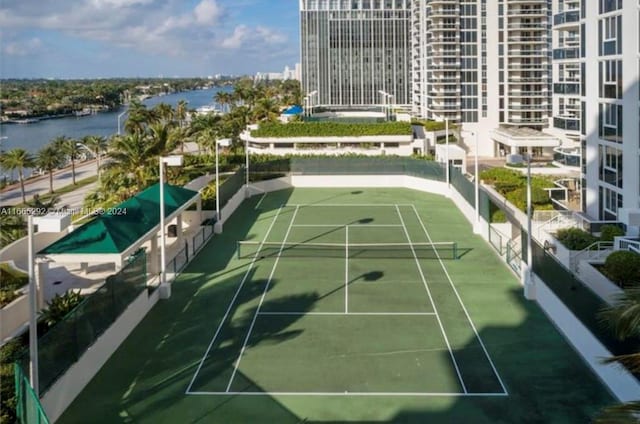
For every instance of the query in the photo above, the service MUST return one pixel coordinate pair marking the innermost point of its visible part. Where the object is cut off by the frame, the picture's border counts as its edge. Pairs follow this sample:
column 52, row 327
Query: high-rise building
column 486, row 65
column 596, row 76
column 352, row 50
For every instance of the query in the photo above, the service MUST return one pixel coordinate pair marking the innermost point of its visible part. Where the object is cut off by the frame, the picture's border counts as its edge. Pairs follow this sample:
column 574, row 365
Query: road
column 40, row 185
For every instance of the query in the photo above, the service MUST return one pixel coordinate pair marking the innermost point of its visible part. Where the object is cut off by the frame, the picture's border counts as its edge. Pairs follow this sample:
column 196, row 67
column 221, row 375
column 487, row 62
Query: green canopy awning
column 123, row 225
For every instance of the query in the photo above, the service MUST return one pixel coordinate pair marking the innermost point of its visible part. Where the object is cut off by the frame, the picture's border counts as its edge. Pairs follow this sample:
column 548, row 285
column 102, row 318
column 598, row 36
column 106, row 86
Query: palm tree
column 223, row 98
column 139, row 117
column 49, row 158
column 132, row 154
column 266, row 109
column 181, row 112
column 204, row 131
column 71, row 149
column 623, row 318
column 13, row 228
column 18, row 159
column 97, row 145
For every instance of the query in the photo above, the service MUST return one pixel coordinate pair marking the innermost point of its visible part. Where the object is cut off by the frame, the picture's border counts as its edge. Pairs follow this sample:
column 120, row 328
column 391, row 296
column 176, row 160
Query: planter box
column 597, row 282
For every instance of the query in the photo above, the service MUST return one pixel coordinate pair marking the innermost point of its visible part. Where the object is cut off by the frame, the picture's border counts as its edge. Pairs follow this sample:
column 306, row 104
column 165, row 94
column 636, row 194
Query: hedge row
column 330, row 129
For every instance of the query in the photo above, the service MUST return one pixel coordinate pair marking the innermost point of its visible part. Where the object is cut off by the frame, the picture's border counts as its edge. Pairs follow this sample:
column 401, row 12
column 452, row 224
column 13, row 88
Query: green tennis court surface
column 346, row 305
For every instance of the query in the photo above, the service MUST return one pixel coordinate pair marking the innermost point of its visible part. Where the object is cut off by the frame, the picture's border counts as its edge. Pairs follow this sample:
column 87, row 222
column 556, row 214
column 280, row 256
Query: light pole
column 120, row 116
column 96, row 154
column 224, row 142
column 53, row 223
column 165, row 289
column 477, row 187
column 528, row 278
column 311, row 95
column 446, row 135
column 385, row 95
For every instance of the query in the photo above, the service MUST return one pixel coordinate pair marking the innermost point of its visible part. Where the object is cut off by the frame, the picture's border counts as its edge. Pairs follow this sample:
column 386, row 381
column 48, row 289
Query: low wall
column 400, row 181
column 18, row 250
column 65, row 390
column 598, row 283
column 232, row 205
column 621, row 383
column 13, row 317
column 266, row 186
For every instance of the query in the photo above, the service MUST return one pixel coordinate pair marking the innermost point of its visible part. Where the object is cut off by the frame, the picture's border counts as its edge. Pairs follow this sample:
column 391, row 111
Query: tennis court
column 344, row 305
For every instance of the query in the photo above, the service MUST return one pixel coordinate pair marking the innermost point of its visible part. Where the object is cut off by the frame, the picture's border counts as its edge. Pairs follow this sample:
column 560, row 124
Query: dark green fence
column 28, row 407
column 69, row 339
column 231, row 186
column 351, row 165
column 577, row 297
column 468, row 191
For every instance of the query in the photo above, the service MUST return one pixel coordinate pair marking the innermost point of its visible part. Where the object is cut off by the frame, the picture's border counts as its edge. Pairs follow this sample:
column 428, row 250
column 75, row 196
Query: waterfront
column 32, row 137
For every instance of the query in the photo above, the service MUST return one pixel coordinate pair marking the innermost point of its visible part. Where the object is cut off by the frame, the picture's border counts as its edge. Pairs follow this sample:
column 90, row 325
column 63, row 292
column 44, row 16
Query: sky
column 146, row 38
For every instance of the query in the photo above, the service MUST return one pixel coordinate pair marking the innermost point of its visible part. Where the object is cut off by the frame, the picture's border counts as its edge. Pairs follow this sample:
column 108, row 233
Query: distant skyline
column 146, row 38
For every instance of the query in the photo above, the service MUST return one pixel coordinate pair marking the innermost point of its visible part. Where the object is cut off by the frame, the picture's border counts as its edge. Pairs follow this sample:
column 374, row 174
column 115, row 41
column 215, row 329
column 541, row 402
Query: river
column 34, row 136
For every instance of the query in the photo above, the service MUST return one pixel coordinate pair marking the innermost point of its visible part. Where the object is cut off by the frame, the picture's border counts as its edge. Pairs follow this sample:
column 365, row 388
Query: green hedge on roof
column 330, row 129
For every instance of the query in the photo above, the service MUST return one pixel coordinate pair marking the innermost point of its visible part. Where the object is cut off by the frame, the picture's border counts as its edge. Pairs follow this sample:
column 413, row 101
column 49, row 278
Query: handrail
column 598, row 247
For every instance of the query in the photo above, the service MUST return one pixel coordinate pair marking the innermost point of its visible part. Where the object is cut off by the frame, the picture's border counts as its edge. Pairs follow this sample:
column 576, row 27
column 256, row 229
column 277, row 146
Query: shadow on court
column 145, row 380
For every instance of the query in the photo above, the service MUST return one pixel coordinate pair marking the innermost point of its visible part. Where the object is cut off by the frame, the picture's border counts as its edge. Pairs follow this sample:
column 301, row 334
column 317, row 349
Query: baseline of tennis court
column 362, row 304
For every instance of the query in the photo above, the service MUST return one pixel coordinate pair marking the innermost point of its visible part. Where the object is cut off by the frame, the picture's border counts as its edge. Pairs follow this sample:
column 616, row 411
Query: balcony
column 568, row 17
column 566, row 88
column 566, row 123
column 566, row 53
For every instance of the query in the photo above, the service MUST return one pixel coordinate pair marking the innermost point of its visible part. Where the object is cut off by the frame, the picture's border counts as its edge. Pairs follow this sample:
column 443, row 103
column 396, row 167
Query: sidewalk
column 40, row 185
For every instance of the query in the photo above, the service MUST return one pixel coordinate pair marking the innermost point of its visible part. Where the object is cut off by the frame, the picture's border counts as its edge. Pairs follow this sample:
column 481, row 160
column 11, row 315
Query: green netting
column 465, row 187
column 231, row 186
column 67, row 341
column 28, row 407
column 350, row 165
column 441, row 250
column 580, row 300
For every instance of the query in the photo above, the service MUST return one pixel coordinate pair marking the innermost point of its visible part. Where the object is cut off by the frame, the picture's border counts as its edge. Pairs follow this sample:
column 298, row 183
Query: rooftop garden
column 330, row 129
column 432, row 125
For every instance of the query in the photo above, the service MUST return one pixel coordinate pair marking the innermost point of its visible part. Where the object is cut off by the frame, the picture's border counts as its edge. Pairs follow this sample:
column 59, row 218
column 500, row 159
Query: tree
column 18, row 159
column 133, row 154
column 266, row 109
column 224, row 98
column 71, row 149
column 49, row 158
column 97, row 145
column 204, row 131
column 180, row 113
column 623, row 318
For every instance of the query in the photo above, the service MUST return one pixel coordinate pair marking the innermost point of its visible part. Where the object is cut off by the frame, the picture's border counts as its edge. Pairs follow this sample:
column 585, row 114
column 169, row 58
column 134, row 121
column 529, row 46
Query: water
column 32, row 137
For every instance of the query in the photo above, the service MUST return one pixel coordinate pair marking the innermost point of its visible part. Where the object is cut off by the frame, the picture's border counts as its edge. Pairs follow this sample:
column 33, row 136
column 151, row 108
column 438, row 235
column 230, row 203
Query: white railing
column 597, row 251
column 632, row 245
column 562, row 219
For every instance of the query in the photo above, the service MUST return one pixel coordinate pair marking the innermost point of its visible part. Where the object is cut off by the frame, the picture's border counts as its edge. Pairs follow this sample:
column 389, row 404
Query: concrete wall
column 65, row 390
column 597, row 282
column 232, row 205
column 18, row 250
column 621, row 383
column 13, row 317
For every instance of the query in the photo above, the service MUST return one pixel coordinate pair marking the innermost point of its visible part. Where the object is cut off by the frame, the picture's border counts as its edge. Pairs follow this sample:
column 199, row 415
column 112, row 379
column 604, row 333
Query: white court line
column 276, row 313
column 226, row 314
column 426, row 286
column 260, row 202
column 348, row 394
column 347, row 205
column 264, row 293
column 350, row 225
column 346, row 270
column 462, row 304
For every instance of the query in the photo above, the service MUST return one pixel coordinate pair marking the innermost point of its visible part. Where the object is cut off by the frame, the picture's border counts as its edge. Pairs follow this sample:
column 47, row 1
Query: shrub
column 503, row 176
column 7, row 296
column 330, row 129
column 609, row 232
column 575, row 238
column 12, row 279
column 59, row 307
column 623, row 268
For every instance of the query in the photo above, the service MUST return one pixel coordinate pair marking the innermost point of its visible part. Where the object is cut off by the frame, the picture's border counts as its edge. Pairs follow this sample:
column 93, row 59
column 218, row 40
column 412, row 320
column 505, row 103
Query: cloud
column 244, row 36
column 222, row 33
column 23, row 48
column 207, row 12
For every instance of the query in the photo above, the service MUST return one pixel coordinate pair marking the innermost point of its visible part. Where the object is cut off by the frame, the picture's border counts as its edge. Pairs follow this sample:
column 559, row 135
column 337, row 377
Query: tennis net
column 440, row 250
